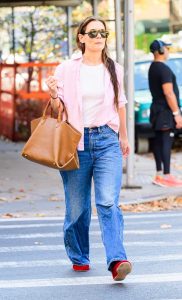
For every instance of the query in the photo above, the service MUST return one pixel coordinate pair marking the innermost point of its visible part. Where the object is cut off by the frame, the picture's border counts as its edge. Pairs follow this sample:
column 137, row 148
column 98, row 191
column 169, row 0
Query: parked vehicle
column 143, row 99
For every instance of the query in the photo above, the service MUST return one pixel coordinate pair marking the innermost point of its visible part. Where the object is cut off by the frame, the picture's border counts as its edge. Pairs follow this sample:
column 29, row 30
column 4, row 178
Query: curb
column 151, row 198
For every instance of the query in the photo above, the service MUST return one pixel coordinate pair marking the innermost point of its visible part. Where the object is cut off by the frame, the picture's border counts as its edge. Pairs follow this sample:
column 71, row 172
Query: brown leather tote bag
column 53, row 142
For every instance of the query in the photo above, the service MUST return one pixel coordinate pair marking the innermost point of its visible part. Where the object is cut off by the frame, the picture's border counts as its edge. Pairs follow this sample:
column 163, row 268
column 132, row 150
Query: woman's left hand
column 125, row 147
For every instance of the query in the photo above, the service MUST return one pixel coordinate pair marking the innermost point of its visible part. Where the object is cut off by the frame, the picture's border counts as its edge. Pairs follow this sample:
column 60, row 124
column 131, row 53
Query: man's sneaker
column 158, row 180
column 81, row 268
column 121, row 269
column 172, row 181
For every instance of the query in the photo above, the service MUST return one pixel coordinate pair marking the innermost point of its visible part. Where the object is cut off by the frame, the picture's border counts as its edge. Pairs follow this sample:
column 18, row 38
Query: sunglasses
column 94, row 33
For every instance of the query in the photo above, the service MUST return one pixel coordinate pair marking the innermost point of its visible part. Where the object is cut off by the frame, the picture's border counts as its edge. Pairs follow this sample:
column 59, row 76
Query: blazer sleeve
column 59, row 75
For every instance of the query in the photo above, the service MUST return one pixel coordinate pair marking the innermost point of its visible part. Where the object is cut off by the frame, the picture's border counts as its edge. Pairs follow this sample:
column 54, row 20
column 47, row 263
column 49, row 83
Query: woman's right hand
column 51, row 82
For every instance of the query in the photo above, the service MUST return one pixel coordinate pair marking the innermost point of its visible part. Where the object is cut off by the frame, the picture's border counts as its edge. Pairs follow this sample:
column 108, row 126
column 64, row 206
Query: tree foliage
column 40, row 32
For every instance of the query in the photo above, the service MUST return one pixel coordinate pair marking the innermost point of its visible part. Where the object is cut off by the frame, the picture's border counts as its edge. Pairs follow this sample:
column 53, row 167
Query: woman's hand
column 51, row 82
column 125, row 147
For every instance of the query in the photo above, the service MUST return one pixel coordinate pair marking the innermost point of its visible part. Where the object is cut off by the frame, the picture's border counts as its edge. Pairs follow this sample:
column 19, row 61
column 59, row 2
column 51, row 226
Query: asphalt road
column 34, row 266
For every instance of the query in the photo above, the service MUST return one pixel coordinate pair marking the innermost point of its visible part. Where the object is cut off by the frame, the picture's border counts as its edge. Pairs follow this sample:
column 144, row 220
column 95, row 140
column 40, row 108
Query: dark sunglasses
column 94, row 33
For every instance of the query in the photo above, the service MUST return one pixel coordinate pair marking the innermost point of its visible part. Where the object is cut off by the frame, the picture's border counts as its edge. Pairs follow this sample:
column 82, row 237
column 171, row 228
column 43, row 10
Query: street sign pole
column 94, row 8
column 118, row 31
column 129, row 85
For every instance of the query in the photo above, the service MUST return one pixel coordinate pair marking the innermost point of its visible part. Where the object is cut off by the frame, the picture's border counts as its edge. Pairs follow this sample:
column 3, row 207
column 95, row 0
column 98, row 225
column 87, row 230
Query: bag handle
column 60, row 112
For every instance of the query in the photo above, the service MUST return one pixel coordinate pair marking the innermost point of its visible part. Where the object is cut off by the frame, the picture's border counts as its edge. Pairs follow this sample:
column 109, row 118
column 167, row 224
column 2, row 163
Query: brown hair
column 107, row 61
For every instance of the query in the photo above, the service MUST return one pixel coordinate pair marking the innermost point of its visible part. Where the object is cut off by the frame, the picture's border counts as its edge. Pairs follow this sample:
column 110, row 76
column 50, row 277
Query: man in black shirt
column 165, row 113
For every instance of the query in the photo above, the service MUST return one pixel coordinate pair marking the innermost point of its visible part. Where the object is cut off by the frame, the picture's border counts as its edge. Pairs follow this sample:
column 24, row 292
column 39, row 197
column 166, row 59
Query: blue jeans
column 102, row 161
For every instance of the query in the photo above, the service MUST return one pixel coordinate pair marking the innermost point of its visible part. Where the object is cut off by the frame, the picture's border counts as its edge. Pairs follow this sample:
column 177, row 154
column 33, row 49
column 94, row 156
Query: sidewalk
column 31, row 190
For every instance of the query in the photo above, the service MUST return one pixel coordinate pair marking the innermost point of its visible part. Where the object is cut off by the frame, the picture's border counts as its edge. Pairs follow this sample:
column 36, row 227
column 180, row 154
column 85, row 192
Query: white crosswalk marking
column 63, row 262
column 36, row 219
column 153, row 215
column 126, row 216
column 31, row 226
column 60, row 224
column 92, row 246
column 96, row 280
column 92, row 233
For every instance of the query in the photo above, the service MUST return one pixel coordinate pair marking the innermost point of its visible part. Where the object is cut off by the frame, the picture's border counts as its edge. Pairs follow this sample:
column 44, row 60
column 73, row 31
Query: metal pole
column 70, row 31
column 94, row 8
column 118, row 31
column 129, row 85
column 13, row 31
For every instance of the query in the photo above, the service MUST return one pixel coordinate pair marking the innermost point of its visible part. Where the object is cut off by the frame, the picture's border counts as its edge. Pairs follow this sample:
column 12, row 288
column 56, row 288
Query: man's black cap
column 157, row 44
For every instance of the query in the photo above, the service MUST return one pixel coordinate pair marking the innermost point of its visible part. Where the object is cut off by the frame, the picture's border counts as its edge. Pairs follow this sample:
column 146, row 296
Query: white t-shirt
column 92, row 87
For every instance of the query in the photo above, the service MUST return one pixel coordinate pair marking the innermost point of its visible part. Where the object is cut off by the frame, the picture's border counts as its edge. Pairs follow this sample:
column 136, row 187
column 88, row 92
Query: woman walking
column 90, row 85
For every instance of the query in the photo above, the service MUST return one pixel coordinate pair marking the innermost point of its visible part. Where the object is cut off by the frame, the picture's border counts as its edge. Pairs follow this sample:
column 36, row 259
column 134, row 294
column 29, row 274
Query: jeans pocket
column 110, row 130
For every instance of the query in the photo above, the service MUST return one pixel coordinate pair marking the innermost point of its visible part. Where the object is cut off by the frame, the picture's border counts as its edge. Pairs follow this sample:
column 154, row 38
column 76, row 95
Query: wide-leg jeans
column 101, row 161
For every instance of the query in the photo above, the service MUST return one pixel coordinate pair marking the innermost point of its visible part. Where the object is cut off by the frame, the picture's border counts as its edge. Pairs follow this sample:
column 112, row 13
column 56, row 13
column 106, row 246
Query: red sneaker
column 121, row 269
column 81, row 268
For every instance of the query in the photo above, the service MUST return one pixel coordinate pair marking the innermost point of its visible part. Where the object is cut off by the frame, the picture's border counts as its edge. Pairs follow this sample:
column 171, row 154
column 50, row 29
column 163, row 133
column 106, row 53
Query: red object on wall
column 23, row 93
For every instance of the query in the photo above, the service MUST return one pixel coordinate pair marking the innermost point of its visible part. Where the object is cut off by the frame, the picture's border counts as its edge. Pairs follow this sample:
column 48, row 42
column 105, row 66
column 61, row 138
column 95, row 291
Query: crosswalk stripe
column 64, row 262
column 31, row 236
column 92, row 233
column 153, row 231
column 152, row 216
column 94, row 280
column 92, row 246
column 59, row 224
column 28, row 219
column 33, row 248
column 31, row 225
column 126, row 216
